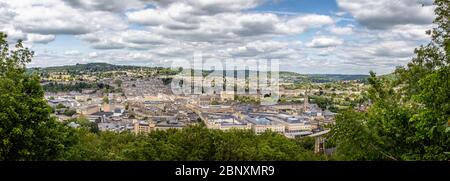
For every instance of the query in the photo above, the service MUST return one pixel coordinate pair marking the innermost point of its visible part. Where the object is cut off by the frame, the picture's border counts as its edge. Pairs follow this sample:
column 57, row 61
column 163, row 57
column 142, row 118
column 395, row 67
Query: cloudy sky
column 306, row 36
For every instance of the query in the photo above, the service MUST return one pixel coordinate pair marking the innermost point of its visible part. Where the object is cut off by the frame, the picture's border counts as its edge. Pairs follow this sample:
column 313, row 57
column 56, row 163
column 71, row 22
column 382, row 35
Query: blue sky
column 306, row 36
column 328, row 7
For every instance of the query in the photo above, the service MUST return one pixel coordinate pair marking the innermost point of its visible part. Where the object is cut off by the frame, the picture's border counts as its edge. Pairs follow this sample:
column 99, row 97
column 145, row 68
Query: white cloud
column 50, row 18
column 143, row 37
column 254, row 24
column 42, row 20
column 37, row 38
column 407, row 32
column 224, row 26
column 300, row 23
column 150, row 17
column 93, row 55
column 323, row 42
column 105, row 5
column 384, row 14
column 72, row 52
column 108, row 44
column 6, row 13
column 13, row 33
column 396, row 49
column 133, row 39
column 262, row 49
column 341, row 30
column 341, row 13
column 214, row 7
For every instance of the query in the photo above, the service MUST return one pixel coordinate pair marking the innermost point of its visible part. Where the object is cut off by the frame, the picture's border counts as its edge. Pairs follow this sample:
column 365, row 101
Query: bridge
column 319, row 145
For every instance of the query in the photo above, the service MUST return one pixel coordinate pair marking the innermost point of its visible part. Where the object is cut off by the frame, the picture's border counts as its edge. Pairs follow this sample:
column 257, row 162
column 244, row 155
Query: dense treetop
column 409, row 115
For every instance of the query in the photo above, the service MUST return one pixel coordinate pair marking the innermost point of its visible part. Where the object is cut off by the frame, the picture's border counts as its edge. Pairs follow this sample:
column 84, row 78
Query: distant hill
column 78, row 69
column 315, row 78
column 90, row 67
column 321, row 78
column 335, row 77
column 105, row 67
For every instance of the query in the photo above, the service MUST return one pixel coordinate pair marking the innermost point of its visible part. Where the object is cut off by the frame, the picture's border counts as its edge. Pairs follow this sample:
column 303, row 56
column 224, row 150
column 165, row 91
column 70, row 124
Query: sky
column 305, row 36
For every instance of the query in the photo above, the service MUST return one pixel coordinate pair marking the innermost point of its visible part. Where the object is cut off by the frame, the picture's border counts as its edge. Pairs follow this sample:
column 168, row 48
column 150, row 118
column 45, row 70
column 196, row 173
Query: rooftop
column 107, row 114
column 260, row 121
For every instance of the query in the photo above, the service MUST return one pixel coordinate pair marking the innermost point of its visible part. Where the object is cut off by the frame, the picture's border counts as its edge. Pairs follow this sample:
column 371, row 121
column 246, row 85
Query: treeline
column 191, row 144
column 247, row 99
column 79, row 69
column 323, row 102
column 77, row 86
column 83, row 69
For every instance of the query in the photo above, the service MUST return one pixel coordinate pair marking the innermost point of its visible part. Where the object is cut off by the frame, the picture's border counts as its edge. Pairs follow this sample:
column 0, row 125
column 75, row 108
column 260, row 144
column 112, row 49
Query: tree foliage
column 189, row 144
column 410, row 114
column 27, row 132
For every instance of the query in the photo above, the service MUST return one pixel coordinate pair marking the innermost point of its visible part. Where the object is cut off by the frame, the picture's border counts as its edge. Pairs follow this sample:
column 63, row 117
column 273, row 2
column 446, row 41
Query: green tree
column 27, row 132
column 322, row 101
column 69, row 112
column 409, row 115
column 60, row 106
column 106, row 100
column 84, row 122
column 214, row 102
column 191, row 144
